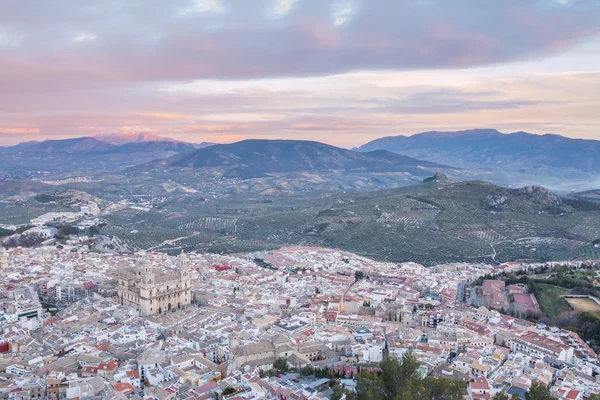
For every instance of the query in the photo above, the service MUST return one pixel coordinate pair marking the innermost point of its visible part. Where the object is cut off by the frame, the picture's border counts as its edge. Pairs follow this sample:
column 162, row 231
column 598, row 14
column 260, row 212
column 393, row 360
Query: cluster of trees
column 263, row 264
column 20, row 229
column 317, row 372
column 536, row 392
column 23, row 240
column 67, row 230
column 45, row 198
column 280, row 365
column 358, row 275
column 402, row 381
column 567, row 278
column 6, row 232
column 564, row 277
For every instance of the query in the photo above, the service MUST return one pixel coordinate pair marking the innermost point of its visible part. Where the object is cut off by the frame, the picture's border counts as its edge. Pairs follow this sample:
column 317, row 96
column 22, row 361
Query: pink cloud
column 20, row 130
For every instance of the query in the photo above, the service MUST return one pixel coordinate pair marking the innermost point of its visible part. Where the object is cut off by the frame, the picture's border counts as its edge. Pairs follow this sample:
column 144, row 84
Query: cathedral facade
column 152, row 291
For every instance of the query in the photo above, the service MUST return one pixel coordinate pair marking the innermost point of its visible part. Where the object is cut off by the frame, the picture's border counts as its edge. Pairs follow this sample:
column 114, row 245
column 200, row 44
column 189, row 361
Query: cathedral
column 152, row 291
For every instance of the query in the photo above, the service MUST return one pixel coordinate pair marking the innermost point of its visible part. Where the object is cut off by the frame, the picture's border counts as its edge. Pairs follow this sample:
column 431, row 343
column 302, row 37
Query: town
column 292, row 323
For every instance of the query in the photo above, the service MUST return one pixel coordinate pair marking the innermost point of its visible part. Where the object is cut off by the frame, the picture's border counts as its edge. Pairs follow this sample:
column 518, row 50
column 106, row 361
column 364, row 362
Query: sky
column 342, row 72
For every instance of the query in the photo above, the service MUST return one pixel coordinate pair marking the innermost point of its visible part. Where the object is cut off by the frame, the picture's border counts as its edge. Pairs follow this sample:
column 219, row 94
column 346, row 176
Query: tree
column 6, row 232
column 358, row 275
column 538, row 392
column 504, row 396
column 280, row 364
column 228, row 390
column 402, row 381
column 69, row 230
column 338, row 392
column 441, row 388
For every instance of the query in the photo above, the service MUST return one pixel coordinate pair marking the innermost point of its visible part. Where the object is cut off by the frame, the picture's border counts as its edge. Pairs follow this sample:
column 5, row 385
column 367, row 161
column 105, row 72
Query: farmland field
column 585, row 305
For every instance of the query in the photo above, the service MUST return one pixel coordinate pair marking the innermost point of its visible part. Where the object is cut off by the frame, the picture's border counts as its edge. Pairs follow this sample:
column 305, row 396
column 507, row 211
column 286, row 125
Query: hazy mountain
column 123, row 138
column 17, row 147
column 85, row 154
column 592, row 195
column 70, row 146
column 551, row 159
column 204, row 144
column 275, row 156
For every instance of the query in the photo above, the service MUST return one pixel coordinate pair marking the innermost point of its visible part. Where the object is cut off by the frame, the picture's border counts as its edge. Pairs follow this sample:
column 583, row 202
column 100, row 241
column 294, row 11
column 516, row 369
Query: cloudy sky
column 342, row 72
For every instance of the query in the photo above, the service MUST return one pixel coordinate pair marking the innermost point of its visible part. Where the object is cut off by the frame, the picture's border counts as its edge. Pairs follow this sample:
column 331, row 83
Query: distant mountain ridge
column 126, row 137
column 84, row 154
column 541, row 157
column 70, row 146
column 276, row 156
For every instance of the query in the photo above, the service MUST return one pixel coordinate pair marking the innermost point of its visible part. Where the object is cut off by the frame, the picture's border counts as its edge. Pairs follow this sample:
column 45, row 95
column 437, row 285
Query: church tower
column 3, row 260
column 146, row 287
column 3, row 263
column 143, row 267
column 183, row 267
column 182, row 260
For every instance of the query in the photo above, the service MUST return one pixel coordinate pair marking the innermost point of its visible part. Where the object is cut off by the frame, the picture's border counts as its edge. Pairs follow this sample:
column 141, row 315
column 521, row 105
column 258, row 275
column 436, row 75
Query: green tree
column 228, row 390
column 504, row 396
column 338, row 392
column 280, row 364
column 442, row 388
column 6, row 232
column 539, row 392
column 69, row 230
column 401, row 381
column 358, row 275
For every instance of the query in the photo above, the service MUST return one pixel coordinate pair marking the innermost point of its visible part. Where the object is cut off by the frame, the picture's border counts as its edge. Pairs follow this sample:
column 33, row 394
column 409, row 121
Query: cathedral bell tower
column 3, row 260
column 146, row 287
column 182, row 261
column 183, row 268
column 3, row 263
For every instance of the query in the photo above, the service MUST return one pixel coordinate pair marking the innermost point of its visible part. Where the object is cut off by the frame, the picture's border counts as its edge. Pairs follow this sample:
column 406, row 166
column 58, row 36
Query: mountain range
column 83, row 155
column 280, row 156
column 262, row 194
column 133, row 137
column 514, row 159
